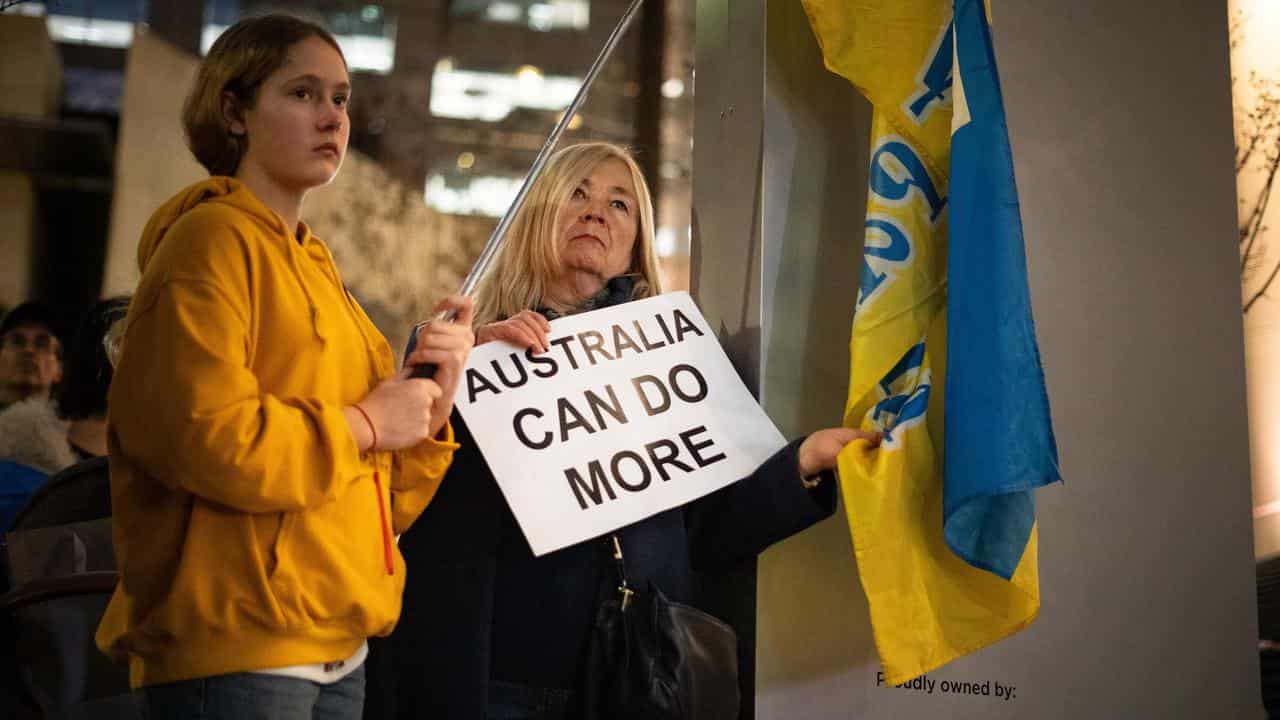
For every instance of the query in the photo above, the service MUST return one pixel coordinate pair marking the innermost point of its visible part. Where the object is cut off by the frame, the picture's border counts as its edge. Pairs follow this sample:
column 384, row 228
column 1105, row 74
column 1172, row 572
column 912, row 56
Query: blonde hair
column 529, row 258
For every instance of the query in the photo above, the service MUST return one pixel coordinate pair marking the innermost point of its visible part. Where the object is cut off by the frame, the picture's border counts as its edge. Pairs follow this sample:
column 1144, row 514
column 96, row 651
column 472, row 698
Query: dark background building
column 452, row 96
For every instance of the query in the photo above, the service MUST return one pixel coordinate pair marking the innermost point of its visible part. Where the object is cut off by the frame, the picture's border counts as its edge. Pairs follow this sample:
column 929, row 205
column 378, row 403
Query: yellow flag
column 928, row 606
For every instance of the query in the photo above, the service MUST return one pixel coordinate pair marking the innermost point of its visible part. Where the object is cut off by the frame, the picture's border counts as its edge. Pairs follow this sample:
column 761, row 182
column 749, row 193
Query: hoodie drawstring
column 386, row 531
column 311, row 301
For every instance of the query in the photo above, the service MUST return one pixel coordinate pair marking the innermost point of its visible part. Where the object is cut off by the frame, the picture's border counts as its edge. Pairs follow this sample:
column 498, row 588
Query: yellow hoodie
column 250, row 531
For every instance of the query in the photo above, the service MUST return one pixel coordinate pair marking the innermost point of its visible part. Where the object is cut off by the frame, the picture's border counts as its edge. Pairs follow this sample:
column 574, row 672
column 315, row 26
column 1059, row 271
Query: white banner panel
column 633, row 410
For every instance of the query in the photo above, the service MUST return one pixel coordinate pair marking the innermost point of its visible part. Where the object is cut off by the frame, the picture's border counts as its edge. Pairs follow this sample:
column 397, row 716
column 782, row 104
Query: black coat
column 478, row 605
column 437, row 663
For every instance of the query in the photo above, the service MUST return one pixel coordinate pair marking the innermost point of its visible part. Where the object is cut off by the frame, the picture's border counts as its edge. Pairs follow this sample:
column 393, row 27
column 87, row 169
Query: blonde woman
column 489, row 631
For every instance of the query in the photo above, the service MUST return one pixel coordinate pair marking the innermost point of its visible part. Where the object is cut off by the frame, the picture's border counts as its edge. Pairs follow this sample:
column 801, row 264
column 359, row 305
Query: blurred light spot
column 491, row 96
column 484, row 195
column 665, row 243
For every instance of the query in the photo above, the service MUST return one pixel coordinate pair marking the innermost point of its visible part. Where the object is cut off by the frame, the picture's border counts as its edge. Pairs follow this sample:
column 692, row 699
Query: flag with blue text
column 943, row 351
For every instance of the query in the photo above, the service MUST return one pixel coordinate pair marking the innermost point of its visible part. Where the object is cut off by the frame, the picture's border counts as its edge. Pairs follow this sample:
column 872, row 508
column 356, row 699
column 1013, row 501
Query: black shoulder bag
column 655, row 659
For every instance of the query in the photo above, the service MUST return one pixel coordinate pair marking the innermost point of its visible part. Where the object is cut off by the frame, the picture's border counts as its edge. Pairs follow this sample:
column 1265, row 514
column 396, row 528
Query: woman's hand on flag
column 819, row 451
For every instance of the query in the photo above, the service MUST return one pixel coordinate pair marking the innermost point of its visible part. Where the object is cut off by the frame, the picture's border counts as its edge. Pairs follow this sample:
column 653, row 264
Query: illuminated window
column 458, row 194
column 541, row 15
column 491, row 96
column 365, row 32
column 105, row 23
column 669, row 241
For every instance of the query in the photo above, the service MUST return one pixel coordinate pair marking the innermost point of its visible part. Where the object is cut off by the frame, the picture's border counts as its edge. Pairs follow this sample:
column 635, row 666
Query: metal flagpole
column 495, row 239
column 499, row 232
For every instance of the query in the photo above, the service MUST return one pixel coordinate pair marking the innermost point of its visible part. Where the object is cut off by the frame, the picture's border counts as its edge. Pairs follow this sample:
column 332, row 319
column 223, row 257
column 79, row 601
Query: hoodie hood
column 217, row 189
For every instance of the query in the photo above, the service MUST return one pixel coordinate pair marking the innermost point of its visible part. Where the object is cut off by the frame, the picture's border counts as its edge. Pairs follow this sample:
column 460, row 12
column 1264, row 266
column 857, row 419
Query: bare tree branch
column 1262, row 291
column 1252, row 226
column 1257, row 156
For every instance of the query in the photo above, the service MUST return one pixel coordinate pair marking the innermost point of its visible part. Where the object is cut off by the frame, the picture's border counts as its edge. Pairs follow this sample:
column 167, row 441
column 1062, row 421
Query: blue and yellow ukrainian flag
column 943, row 350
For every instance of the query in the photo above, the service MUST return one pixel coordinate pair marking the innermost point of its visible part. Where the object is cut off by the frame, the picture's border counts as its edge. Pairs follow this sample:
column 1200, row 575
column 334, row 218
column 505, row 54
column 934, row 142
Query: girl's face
column 596, row 228
column 298, row 128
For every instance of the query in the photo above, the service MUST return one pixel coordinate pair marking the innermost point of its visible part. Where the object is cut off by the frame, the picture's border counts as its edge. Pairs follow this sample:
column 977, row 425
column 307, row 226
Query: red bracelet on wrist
column 372, row 430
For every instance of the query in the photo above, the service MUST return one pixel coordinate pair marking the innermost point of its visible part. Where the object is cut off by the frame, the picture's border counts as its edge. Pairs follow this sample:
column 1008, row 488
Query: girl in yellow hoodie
column 264, row 450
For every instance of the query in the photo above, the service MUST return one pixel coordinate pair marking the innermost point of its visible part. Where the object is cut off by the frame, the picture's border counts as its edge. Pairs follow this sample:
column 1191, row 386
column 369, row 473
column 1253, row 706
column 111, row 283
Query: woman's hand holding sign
column 526, row 329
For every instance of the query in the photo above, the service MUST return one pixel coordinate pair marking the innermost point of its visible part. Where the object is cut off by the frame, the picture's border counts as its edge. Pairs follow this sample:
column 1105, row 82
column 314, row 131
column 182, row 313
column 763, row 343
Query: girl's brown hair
column 240, row 60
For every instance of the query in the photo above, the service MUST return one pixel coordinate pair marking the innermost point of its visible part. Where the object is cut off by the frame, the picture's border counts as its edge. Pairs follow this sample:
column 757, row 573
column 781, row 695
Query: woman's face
column 596, row 229
column 297, row 127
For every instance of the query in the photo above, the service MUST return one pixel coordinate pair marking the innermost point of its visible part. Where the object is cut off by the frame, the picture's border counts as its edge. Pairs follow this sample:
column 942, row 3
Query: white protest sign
column 633, row 410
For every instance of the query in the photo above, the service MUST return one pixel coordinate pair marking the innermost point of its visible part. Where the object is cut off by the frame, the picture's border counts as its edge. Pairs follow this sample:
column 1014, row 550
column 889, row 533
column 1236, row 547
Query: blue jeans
column 509, row 701
column 249, row 696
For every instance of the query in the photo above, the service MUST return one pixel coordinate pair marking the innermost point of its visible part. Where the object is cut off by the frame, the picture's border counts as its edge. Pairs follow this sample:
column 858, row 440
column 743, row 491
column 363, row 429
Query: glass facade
column 105, row 23
column 541, row 15
column 366, row 32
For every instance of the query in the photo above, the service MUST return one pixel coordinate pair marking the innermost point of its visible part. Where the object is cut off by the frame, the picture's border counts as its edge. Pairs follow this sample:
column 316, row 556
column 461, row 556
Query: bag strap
column 619, row 562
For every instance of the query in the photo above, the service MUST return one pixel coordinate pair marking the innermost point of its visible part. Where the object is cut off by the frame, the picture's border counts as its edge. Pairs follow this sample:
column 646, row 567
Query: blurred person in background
column 30, row 353
column 33, row 439
column 82, row 394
